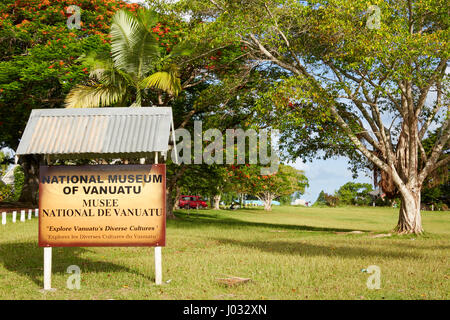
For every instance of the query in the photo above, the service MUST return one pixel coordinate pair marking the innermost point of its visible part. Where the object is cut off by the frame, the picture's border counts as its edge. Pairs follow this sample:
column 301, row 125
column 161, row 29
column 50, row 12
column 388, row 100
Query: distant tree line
column 434, row 197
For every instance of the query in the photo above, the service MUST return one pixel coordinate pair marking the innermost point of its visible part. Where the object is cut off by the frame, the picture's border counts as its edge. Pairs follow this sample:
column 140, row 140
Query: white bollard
column 22, row 215
column 3, row 217
column 14, row 216
column 29, row 214
column 47, row 268
column 36, row 213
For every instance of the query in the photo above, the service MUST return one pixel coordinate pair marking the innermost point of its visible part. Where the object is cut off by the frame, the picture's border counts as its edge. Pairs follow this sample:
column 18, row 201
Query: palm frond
column 102, row 70
column 100, row 66
column 123, row 26
column 147, row 18
column 135, row 53
column 163, row 80
column 94, row 96
column 134, row 48
column 145, row 48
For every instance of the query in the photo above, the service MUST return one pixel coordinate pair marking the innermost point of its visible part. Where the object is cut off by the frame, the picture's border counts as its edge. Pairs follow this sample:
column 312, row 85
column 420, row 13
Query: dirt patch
column 350, row 232
column 233, row 281
column 382, row 235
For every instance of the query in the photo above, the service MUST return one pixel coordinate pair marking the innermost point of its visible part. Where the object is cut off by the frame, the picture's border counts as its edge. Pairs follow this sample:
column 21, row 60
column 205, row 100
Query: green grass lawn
column 289, row 253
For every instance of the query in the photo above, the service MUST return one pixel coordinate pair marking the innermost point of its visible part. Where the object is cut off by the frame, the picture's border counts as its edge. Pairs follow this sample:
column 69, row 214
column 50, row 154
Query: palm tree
column 134, row 65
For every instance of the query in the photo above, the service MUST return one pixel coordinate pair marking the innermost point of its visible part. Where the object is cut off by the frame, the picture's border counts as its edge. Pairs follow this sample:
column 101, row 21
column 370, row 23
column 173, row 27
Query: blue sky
column 327, row 175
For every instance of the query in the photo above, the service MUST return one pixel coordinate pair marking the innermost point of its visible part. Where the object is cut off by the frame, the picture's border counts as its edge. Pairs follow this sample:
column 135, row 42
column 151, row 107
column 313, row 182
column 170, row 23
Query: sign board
column 102, row 205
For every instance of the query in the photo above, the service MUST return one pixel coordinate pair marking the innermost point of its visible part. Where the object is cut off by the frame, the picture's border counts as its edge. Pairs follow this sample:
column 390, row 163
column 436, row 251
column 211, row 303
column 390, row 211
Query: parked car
column 192, row 202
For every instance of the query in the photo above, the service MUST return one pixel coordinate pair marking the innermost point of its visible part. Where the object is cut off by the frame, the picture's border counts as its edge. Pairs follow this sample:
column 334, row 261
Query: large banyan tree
column 366, row 81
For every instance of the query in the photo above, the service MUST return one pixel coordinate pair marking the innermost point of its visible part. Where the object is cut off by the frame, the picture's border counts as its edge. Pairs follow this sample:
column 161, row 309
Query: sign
column 102, row 205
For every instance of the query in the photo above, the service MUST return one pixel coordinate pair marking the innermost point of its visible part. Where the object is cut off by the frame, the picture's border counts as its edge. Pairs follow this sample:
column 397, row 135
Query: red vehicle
column 192, row 202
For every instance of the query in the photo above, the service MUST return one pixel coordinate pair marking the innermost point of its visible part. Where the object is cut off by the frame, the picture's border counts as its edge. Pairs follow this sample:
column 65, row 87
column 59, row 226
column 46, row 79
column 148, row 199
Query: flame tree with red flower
column 287, row 180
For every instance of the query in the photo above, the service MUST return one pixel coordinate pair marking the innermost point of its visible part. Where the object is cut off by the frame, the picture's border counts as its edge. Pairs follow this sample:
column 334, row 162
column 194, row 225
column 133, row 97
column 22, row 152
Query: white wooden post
column 14, row 216
column 158, row 266
column 47, row 268
column 47, row 259
column 22, row 215
column 3, row 217
column 36, row 213
column 158, row 255
column 29, row 214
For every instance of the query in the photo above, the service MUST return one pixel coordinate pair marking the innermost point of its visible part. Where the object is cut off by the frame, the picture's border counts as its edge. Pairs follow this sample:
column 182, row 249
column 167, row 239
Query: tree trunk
column 30, row 190
column 410, row 220
column 268, row 205
column 216, row 199
column 267, row 199
column 172, row 199
column 169, row 204
column 176, row 204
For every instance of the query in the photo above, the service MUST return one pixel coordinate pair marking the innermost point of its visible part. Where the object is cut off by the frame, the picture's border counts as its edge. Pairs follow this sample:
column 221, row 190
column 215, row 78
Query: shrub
column 19, row 179
column 5, row 191
column 330, row 200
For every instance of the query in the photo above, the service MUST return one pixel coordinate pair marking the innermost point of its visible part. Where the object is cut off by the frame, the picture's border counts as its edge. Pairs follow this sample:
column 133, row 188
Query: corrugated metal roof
column 96, row 131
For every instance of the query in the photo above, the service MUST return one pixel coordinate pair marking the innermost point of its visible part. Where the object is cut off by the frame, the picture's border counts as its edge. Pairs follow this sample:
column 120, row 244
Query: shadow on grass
column 419, row 246
column 27, row 258
column 308, row 249
column 196, row 220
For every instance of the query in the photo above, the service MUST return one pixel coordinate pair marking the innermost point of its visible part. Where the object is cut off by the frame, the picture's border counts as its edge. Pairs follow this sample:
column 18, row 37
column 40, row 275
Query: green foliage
column 353, row 193
column 320, row 199
column 5, row 191
column 205, row 180
column 436, row 190
column 325, row 199
column 38, row 55
column 331, row 200
column 337, row 79
column 438, row 195
column 285, row 200
column 5, row 161
column 287, row 180
column 137, row 61
column 10, row 192
column 19, row 179
column 385, row 202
